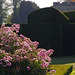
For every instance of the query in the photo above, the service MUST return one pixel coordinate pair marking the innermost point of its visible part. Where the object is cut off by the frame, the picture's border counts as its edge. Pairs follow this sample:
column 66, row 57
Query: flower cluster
column 18, row 48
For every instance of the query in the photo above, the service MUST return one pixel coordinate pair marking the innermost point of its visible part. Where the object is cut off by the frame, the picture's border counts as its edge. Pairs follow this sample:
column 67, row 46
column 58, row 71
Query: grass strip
column 62, row 69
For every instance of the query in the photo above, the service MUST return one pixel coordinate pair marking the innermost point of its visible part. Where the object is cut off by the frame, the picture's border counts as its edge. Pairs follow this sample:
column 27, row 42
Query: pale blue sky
column 43, row 3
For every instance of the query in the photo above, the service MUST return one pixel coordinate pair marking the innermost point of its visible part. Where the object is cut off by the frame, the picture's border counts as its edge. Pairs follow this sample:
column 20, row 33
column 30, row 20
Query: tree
column 15, row 14
column 1, row 11
column 6, row 7
column 20, row 14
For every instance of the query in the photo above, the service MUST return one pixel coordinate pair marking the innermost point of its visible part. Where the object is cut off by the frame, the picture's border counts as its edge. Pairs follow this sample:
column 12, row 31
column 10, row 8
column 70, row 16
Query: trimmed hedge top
column 70, row 15
column 47, row 15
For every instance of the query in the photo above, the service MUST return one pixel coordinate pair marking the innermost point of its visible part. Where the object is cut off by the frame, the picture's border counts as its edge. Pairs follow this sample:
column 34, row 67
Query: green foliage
column 20, row 68
column 48, row 15
column 35, row 5
column 70, row 15
column 62, row 69
column 9, row 19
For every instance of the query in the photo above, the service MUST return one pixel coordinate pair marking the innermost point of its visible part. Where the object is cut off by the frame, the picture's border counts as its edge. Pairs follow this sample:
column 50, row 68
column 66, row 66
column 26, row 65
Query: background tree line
column 19, row 11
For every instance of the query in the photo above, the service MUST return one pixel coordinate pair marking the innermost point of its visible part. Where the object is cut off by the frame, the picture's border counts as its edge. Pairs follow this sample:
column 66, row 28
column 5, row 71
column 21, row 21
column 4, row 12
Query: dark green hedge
column 70, row 15
column 60, row 37
column 48, row 35
column 69, row 39
column 47, row 15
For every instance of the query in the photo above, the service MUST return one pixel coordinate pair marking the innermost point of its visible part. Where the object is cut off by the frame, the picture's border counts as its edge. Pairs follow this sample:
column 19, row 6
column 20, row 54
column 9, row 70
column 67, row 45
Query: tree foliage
column 5, row 12
column 20, row 14
column 4, row 9
column 1, row 12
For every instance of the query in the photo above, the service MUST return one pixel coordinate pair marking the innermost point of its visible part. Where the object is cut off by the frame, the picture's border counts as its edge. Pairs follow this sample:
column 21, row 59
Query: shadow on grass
column 63, row 60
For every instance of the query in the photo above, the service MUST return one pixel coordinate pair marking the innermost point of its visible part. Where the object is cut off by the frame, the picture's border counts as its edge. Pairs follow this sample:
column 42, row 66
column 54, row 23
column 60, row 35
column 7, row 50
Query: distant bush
column 20, row 14
column 70, row 15
column 47, row 15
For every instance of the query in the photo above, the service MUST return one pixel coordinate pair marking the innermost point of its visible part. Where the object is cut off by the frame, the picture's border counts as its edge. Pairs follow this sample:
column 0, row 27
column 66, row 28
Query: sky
column 43, row 3
column 40, row 3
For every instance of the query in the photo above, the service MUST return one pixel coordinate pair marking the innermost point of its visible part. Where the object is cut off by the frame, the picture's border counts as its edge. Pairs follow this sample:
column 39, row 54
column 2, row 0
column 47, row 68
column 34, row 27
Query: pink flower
column 48, row 59
column 3, row 25
column 44, row 63
column 43, row 66
column 42, row 54
column 52, row 71
column 7, row 46
column 28, row 67
column 9, row 63
column 17, row 26
column 1, row 59
column 30, row 49
column 49, row 52
column 17, row 31
column 7, row 58
column 25, row 43
column 16, row 44
column 16, row 57
column 22, row 36
column 2, row 51
column 24, row 57
column 2, row 38
column 1, row 63
column 36, row 44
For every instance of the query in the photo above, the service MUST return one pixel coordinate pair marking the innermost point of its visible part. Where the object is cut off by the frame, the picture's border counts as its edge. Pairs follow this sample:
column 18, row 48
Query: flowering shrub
column 21, row 55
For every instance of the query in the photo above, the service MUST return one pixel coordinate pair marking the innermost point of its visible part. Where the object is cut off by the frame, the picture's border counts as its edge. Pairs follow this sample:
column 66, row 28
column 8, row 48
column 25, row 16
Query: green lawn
column 65, row 60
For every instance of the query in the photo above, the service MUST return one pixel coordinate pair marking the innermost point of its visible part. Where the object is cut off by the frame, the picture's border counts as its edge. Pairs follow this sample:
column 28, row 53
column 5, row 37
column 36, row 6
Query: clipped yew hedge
column 47, row 15
column 70, row 15
column 49, row 36
column 59, row 37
